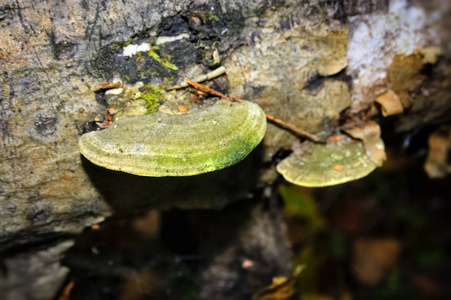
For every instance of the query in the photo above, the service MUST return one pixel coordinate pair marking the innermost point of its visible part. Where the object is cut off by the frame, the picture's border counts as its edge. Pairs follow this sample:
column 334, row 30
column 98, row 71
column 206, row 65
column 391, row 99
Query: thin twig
column 292, row 128
column 209, row 90
column 205, row 88
column 108, row 85
column 212, row 75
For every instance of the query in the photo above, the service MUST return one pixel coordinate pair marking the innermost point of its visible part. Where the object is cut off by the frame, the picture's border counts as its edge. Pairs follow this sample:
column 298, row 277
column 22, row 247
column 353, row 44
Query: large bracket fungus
column 159, row 144
column 324, row 165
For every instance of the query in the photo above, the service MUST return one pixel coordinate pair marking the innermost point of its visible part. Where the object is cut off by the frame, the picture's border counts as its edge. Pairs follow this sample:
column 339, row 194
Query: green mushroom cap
column 159, row 144
column 324, row 165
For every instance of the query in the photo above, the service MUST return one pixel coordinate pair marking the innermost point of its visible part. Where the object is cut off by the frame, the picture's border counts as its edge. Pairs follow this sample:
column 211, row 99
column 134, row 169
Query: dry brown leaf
column 370, row 134
column 390, row 104
column 430, row 54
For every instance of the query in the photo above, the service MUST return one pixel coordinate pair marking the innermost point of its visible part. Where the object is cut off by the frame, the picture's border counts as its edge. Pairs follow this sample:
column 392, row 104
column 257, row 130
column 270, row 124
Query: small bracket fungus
column 203, row 140
column 323, row 165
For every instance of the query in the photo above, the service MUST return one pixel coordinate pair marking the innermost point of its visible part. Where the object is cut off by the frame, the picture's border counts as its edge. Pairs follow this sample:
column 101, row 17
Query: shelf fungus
column 159, row 144
column 324, row 165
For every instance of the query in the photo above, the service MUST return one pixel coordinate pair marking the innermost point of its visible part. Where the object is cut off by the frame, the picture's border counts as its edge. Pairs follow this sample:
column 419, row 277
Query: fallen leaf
column 390, row 104
column 370, row 134
column 430, row 54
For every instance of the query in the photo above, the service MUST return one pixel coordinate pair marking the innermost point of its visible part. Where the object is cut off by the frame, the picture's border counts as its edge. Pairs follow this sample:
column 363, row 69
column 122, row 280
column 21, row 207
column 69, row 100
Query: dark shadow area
column 128, row 193
column 189, row 253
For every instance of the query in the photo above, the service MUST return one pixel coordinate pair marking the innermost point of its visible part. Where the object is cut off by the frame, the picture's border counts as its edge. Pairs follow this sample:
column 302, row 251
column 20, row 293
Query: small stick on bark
column 207, row 89
column 108, row 85
column 213, row 74
column 292, row 128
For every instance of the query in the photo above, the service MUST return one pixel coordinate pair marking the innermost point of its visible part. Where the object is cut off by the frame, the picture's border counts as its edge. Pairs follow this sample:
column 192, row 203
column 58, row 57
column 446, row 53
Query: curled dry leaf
column 430, row 54
column 370, row 134
column 390, row 104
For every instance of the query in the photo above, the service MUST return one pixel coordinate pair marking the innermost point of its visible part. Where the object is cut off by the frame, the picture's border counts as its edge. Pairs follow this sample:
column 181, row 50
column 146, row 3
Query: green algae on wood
column 316, row 166
column 157, row 145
